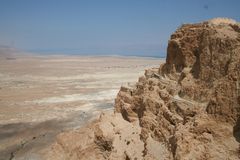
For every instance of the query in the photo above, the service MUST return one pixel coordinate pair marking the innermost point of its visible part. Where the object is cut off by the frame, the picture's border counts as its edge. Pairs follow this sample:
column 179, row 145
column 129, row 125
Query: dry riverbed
column 41, row 96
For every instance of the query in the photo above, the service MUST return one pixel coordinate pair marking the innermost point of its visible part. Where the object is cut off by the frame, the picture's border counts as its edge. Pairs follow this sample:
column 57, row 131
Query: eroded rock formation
column 186, row 109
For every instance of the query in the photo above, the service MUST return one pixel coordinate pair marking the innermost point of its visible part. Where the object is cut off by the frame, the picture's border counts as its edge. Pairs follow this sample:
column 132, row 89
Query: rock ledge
column 188, row 108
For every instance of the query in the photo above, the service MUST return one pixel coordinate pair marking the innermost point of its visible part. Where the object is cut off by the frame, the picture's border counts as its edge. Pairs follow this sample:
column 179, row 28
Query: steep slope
column 186, row 109
column 191, row 103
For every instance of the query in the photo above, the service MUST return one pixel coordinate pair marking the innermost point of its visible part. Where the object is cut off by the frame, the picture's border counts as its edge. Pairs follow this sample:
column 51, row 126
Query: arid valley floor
column 41, row 96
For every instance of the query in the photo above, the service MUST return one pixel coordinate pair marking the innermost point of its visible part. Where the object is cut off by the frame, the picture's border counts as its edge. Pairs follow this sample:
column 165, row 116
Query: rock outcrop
column 186, row 109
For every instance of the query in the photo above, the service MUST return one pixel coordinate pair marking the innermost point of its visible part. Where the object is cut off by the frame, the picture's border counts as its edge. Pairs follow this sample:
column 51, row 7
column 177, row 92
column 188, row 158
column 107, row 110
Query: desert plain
column 42, row 96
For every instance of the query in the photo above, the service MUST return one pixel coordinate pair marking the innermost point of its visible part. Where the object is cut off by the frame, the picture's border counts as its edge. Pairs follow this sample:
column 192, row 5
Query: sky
column 103, row 27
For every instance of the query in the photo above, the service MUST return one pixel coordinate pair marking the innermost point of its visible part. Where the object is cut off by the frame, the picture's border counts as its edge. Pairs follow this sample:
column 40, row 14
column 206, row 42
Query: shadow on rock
column 236, row 130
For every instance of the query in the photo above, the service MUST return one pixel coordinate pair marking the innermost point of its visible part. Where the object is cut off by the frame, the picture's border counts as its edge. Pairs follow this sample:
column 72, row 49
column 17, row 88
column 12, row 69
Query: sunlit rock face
column 188, row 108
column 204, row 59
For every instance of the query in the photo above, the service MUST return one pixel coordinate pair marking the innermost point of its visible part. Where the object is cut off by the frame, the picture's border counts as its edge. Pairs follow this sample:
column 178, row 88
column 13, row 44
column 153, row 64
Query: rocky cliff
column 187, row 108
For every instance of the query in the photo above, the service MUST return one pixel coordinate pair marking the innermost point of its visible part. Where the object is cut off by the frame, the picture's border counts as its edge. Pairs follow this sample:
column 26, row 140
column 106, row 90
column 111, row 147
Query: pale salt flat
column 97, row 96
column 45, row 95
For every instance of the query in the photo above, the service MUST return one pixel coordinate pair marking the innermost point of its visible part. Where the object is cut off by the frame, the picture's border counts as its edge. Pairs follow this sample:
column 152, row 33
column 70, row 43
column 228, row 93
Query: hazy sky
column 133, row 27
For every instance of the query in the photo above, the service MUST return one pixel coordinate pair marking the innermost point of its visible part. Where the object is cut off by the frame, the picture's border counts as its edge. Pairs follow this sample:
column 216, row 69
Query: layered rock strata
column 188, row 108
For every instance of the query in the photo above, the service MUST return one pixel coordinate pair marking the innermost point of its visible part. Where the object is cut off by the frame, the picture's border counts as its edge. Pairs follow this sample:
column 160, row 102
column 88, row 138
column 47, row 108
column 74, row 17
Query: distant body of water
column 94, row 52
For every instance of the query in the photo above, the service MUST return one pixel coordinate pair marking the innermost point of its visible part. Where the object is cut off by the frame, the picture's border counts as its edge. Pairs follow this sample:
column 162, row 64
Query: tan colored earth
column 42, row 96
column 186, row 109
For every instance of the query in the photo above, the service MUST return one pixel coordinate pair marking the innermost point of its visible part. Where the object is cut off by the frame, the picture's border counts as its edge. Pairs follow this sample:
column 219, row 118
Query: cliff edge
column 188, row 108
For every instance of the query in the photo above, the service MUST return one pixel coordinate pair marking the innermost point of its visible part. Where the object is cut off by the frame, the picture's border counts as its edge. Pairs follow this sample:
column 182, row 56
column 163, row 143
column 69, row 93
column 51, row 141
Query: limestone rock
column 110, row 137
column 190, row 105
column 188, row 108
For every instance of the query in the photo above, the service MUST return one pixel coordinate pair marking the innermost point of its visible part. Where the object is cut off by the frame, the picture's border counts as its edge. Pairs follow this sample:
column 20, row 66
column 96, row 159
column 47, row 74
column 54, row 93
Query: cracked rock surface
column 188, row 108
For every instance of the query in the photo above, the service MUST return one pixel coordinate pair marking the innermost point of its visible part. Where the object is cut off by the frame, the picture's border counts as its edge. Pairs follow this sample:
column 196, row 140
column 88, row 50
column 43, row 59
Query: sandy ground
column 41, row 96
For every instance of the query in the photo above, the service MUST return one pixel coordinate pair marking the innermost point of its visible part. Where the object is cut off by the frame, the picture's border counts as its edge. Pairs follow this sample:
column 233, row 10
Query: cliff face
column 191, row 103
column 186, row 109
column 207, row 56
